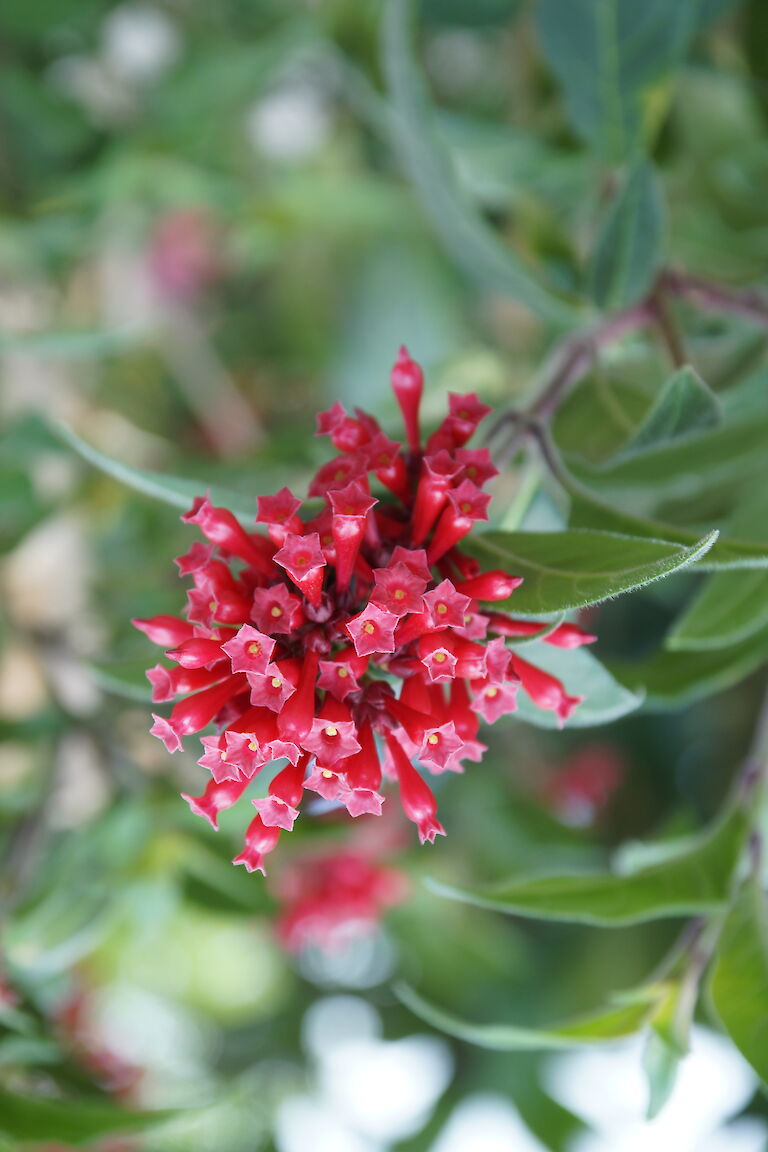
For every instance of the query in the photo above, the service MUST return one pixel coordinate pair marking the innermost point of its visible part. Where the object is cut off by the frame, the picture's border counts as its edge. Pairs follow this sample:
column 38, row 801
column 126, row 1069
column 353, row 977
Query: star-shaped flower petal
column 250, row 650
column 331, row 741
column 276, row 813
column 373, row 630
column 441, row 748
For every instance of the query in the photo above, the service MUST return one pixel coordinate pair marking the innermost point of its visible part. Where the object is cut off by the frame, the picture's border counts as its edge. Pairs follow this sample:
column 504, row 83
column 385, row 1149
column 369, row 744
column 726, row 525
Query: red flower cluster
column 324, row 897
column 294, row 639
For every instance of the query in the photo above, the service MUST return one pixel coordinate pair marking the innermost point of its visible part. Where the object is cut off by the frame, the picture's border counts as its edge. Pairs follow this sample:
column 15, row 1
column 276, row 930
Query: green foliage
column 566, row 570
column 611, row 1024
column 554, row 204
column 691, row 880
column 29, row 1118
column 683, row 407
column 739, row 983
column 629, row 250
column 466, row 237
column 174, row 490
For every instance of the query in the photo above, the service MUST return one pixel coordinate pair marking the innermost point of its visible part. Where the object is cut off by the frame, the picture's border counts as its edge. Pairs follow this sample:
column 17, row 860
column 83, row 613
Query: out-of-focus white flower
column 486, row 1123
column 607, row 1089
column 385, row 1089
column 305, row 1122
column 139, row 42
column 291, row 123
column 369, row 1092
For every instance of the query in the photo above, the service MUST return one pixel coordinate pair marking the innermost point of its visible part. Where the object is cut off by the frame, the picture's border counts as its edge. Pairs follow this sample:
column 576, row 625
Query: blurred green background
column 206, row 236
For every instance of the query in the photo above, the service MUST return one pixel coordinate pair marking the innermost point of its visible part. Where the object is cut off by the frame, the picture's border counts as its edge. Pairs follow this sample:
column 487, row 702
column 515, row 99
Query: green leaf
column 673, row 679
column 684, row 467
column 731, row 606
column 739, row 982
column 661, row 1063
column 609, row 56
column 77, row 1122
column 684, row 406
column 583, row 675
column 668, row 1038
column 565, row 570
column 726, row 554
column 609, row 1024
column 629, row 249
column 590, row 510
column 690, row 882
column 177, row 491
column 468, row 240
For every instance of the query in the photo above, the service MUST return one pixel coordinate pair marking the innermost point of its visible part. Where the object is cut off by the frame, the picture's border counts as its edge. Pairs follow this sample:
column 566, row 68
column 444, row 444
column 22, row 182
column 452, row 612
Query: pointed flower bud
column 408, row 384
column 495, row 585
column 166, row 631
column 546, row 691
column 197, row 653
column 220, row 527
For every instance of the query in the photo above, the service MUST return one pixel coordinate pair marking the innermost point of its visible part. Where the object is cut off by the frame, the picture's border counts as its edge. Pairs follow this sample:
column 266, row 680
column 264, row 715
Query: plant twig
column 668, row 329
column 749, row 303
column 568, row 364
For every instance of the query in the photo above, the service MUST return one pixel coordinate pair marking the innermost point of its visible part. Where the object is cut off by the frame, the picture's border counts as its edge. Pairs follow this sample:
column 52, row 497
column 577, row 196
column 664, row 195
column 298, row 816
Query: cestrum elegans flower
column 352, row 639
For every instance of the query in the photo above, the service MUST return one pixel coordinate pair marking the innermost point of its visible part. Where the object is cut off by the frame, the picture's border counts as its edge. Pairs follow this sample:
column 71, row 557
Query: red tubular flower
column 169, row 682
column 168, row 631
column 564, row 636
column 218, row 796
column 295, row 639
column 546, row 691
column 196, row 653
column 416, row 797
column 495, row 585
column 303, row 559
column 373, row 630
column 220, row 527
column 325, row 899
column 280, row 807
column 351, row 506
column 295, row 720
column 260, row 839
column 438, row 471
column 441, row 748
column 466, row 505
column 278, row 512
column 408, row 385
column 275, row 609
